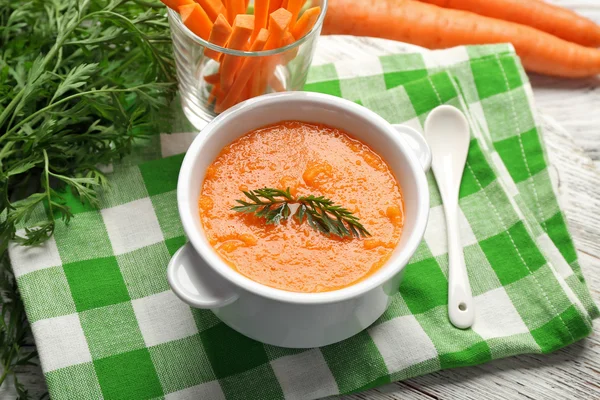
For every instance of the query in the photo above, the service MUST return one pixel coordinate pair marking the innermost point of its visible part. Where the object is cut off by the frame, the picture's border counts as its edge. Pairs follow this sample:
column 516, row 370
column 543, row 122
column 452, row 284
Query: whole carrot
column 434, row 27
column 555, row 20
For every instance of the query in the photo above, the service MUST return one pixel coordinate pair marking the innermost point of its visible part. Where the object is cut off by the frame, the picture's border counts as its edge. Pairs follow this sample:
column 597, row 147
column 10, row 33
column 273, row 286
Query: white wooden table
column 571, row 117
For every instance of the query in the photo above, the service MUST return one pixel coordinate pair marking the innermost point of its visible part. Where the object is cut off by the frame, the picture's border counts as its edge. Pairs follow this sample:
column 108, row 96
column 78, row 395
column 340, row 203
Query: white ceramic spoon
column 447, row 133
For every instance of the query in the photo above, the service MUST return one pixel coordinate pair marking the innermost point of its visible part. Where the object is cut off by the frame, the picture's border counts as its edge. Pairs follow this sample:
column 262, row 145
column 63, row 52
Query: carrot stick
column 219, row 35
column 434, row 27
column 174, row 4
column 212, row 7
column 555, row 20
column 214, row 93
column 294, row 7
column 242, row 29
column 213, row 79
column 275, row 84
column 246, row 70
column 261, row 13
column 240, row 7
column 255, row 81
column 234, row 7
column 195, row 18
column 279, row 21
column 306, row 22
column 274, row 5
column 289, row 55
column 245, row 95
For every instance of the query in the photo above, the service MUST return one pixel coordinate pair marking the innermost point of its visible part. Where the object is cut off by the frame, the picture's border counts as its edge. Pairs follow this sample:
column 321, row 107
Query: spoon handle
column 460, row 299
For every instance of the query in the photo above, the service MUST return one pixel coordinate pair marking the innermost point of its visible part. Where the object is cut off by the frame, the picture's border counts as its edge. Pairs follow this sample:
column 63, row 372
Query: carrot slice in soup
column 242, row 29
column 219, row 35
column 195, row 18
column 246, row 70
column 306, row 22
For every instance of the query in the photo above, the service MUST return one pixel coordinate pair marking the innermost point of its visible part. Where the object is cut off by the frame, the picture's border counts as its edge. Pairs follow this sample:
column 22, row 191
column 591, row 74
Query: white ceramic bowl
column 202, row 279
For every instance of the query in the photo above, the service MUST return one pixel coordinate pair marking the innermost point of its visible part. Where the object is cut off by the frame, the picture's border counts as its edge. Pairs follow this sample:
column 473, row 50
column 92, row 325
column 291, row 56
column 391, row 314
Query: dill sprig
column 321, row 213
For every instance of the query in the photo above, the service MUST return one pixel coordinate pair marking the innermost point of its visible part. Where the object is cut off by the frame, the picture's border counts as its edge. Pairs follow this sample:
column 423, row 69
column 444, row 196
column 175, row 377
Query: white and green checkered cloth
column 107, row 325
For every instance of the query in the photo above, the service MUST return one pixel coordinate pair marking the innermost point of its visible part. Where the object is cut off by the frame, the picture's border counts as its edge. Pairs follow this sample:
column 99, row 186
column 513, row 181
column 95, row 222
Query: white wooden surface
column 571, row 117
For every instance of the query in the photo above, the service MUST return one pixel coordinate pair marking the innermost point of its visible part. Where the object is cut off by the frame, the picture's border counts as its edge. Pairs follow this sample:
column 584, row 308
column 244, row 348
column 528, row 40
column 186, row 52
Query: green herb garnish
column 321, row 213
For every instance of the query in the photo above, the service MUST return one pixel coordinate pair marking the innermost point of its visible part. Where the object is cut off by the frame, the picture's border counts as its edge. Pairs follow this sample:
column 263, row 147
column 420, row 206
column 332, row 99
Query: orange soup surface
column 308, row 159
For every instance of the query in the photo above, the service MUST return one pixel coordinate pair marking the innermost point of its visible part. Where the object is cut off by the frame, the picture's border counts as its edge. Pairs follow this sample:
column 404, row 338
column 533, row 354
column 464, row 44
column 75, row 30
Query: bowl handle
column 196, row 283
column 417, row 144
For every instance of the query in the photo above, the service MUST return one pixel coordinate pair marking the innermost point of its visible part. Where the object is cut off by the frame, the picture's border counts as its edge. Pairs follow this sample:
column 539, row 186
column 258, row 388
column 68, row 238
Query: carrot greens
column 82, row 83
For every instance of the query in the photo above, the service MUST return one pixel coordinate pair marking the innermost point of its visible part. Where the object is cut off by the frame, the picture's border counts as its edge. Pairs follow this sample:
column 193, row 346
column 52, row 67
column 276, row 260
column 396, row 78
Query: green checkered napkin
column 107, row 325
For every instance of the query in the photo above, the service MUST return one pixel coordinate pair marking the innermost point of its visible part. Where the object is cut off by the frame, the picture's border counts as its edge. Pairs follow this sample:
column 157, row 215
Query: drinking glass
column 283, row 69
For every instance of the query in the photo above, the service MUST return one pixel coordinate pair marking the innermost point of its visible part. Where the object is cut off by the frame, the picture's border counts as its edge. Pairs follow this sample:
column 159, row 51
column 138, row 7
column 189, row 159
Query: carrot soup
column 332, row 211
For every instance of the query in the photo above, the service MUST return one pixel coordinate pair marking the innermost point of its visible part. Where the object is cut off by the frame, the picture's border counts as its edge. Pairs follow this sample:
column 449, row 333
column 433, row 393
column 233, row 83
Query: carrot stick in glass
column 242, row 29
column 294, row 6
column 219, row 35
column 261, row 13
column 195, row 18
column 230, row 7
column 175, row 4
column 279, row 21
column 289, row 55
column 306, row 22
column 246, row 70
column 238, row 7
column 274, row 5
column 213, row 79
column 214, row 93
column 212, row 7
